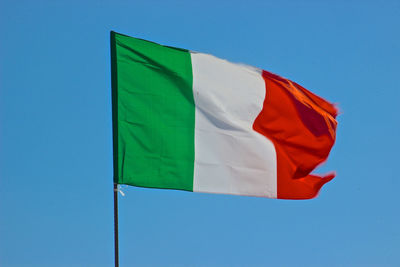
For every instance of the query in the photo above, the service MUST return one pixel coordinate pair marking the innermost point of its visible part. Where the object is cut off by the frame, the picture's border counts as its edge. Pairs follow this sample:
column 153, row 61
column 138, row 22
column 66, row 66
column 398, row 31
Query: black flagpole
column 114, row 102
column 116, row 224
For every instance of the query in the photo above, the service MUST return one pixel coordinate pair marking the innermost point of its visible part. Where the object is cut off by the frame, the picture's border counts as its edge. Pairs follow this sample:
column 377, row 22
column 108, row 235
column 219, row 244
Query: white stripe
column 230, row 157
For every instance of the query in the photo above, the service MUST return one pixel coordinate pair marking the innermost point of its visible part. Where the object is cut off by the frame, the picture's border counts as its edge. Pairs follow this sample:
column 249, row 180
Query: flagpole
column 116, row 224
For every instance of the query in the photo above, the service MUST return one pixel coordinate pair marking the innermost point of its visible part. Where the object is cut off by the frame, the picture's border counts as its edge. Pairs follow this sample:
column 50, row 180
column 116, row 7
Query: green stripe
column 153, row 114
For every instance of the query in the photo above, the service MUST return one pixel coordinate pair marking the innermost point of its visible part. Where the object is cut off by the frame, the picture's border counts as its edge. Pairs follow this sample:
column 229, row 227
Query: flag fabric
column 191, row 121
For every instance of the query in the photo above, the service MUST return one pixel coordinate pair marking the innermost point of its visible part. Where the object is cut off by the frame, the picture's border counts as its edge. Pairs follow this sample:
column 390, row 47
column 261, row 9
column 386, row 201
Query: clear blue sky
column 56, row 201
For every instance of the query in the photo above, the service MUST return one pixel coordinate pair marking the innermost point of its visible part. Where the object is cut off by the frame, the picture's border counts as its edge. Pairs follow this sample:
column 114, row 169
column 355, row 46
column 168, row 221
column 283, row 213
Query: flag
column 191, row 121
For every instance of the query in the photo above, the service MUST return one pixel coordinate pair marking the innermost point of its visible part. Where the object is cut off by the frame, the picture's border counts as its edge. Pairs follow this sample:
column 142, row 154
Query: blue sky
column 56, row 201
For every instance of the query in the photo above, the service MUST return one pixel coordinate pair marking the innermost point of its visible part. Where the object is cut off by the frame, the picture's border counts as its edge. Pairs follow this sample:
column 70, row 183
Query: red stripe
column 302, row 127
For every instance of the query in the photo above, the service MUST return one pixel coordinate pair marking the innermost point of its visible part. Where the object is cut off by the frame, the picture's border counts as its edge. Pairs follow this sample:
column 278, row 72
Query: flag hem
column 114, row 104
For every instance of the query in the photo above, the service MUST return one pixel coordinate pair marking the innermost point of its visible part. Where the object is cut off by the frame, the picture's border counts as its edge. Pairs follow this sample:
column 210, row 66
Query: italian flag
column 191, row 121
